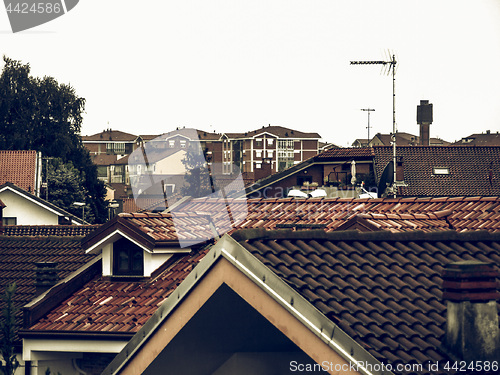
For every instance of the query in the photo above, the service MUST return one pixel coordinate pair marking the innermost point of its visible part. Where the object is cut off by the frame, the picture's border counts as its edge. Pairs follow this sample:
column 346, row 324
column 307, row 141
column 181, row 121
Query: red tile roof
column 19, row 168
column 279, row 131
column 406, row 139
column 401, row 214
column 49, row 230
column 110, row 135
column 382, row 289
column 473, row 170
column 481, row 139
column 161, row 226
column 159, row 229
column 110, row 306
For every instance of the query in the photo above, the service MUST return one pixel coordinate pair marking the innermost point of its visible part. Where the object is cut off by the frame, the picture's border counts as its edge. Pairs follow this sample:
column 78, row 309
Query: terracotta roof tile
column 472, row 170
column 19, row 168
column 49, row 230
column 398, row 315
column 117, row 306
column 113, row 135
column 401, row 214
column 19, row 255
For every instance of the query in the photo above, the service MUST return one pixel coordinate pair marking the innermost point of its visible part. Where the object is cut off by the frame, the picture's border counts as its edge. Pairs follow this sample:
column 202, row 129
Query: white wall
column 26, row 211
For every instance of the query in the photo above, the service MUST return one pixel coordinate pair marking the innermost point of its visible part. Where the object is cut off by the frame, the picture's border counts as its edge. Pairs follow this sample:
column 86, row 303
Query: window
column 183, row 144
column 285, row 154
column 269, row 141
column 128, row 258
column 258, row 154
column 102, row 171
column 169, row 188
column 171, row 143
column 115, row 148
column 9, row 220
column 441, row 170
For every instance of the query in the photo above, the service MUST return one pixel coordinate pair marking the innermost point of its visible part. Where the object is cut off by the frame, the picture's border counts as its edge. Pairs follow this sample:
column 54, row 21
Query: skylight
column 441, row 170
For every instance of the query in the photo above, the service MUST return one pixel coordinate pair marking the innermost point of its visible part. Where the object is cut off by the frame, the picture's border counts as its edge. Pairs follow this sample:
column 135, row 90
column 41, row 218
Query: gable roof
column 155, row 230
column 473, row 170
column 407, row 139
column 19, row 255
column 40, row 202
column 400, row 214
column 278, row 131
column 105, row 306
column 19, row 168
column 383, row 290
column 481, row 139
column 109, row 135
column 368, row 295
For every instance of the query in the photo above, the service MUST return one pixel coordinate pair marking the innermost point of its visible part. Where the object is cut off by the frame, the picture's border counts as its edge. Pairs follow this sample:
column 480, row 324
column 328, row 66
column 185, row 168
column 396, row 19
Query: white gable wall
column 26, row 211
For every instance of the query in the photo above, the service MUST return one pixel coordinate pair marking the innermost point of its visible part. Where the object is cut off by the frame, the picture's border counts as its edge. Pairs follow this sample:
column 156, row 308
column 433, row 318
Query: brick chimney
column 45, row 276
column 424, row 119
column 470, row 289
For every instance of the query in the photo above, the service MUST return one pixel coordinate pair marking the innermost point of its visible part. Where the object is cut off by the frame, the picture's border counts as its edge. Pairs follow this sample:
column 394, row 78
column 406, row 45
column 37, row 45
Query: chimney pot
column 471, row 291
column 45, row 276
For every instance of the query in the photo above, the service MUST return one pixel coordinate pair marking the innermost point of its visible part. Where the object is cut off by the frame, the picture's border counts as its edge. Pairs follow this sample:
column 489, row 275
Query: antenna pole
column 392, row 66
column 368, row 127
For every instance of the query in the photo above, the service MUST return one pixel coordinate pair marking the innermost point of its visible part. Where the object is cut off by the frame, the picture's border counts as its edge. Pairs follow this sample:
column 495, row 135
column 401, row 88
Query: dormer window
column 128, row 259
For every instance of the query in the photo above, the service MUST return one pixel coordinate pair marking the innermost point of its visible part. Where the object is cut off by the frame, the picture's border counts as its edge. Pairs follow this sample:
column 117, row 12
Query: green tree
column 66, row 186
column 198, row 180
column 41, row 114
column 7, row 330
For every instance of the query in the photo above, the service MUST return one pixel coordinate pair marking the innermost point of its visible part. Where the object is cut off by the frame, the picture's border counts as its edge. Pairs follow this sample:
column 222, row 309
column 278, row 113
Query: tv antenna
column 368, row 126
column 389, row 65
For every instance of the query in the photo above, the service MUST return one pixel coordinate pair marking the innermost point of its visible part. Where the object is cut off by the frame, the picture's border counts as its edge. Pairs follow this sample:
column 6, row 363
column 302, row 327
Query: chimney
column 45, row 276
column 471, row 291
column 424, row 119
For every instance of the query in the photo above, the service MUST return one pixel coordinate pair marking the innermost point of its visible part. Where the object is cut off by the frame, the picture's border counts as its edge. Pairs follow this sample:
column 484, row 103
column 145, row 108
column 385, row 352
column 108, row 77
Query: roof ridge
column 353, row 235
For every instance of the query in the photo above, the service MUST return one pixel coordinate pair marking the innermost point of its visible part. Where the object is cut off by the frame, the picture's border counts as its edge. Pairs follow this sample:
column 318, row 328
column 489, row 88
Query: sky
column 147, row 67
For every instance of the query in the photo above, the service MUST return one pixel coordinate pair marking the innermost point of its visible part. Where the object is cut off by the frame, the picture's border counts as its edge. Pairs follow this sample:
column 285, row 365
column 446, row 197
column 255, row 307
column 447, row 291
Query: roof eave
column 229, row 249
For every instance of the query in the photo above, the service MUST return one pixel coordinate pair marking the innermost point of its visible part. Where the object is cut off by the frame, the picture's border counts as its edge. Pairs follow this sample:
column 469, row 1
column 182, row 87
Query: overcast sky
column 146, row 67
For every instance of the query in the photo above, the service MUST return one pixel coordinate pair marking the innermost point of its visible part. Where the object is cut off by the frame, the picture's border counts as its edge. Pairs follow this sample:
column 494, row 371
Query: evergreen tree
column 41, row 114
column 198, row 179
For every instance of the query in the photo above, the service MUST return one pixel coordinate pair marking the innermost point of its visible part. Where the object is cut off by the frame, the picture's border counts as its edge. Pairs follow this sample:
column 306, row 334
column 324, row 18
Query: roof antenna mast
column 388, row 66
column 368, row 126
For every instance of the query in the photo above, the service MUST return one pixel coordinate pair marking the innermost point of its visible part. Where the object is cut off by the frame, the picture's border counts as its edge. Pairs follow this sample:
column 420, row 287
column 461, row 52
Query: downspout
column 38, row 173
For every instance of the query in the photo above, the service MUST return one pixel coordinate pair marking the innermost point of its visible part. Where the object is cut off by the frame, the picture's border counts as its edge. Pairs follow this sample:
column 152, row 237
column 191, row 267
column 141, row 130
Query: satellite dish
column 386, row 179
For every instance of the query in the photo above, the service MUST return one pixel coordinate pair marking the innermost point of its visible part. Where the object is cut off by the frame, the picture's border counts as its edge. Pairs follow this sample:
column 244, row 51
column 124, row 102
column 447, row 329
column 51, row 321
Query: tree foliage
column 7, row 331
column 41, row 114
column 198, row 181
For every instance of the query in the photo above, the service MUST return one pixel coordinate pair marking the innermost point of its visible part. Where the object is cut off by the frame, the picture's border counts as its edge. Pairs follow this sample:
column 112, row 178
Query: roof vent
column 45, row 276
column 471, row 291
